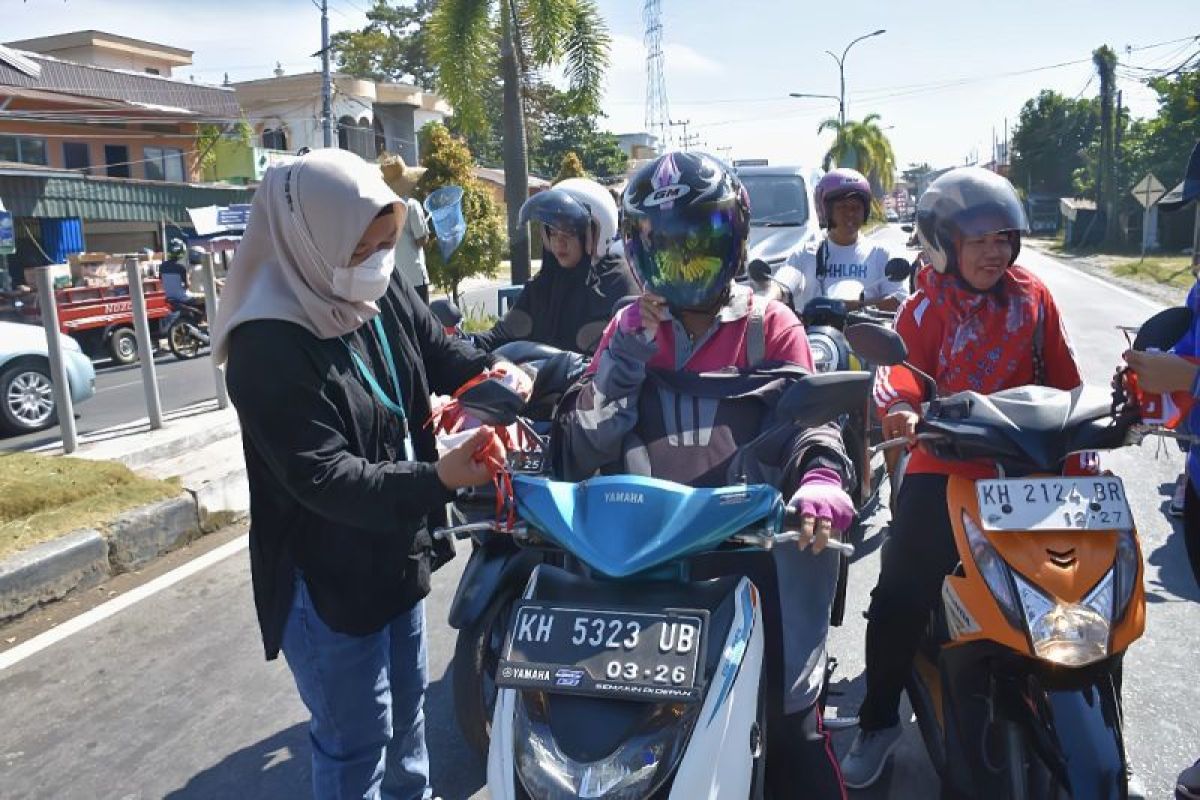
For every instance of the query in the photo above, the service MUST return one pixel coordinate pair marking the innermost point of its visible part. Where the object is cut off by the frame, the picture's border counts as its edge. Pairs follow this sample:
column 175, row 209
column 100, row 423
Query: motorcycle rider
column 685, row 221
column 173, row 272
column 978, row 322
column 571, row 299
column 843, row 201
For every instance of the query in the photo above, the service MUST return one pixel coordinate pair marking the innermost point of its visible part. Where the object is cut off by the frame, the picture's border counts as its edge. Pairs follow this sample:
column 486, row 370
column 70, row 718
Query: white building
column 370, row 117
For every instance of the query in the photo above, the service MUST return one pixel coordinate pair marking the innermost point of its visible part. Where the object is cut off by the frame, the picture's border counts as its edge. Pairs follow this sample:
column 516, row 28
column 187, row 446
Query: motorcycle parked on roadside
column 1016, row 684
column 621, row 675
column 187, row 329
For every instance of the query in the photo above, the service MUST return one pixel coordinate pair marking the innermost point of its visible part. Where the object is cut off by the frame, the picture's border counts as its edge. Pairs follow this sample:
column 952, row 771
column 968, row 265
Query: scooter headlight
column 993, row 569
column 824, row 352
column 1070, row 634
column 640, row 764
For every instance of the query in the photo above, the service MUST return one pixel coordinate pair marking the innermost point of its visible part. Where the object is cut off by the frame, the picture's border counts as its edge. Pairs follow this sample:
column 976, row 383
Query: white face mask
column 366, row 282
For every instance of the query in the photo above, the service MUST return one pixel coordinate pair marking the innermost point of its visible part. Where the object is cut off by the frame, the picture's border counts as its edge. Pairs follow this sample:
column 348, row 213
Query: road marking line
column 117, row 604
column 1151, row 303
column 118, row 386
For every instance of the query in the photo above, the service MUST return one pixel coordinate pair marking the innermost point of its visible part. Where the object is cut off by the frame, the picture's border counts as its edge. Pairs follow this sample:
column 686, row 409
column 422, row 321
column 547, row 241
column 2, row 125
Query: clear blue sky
column 937, row 76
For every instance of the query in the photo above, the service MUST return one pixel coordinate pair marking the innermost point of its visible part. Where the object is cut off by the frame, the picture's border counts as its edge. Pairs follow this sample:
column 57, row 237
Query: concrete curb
column 49, row 571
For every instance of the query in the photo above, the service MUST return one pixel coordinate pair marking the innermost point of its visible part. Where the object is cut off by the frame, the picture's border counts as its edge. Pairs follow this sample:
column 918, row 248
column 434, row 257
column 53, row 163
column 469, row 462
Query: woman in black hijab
column 574, row 294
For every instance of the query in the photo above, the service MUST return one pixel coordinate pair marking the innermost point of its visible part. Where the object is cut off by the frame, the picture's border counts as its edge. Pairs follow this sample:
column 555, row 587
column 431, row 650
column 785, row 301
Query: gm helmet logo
column 666, row 194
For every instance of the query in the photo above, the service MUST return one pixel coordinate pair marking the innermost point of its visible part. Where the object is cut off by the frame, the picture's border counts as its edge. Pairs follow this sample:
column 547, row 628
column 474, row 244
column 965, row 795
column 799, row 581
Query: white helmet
column 579, row 204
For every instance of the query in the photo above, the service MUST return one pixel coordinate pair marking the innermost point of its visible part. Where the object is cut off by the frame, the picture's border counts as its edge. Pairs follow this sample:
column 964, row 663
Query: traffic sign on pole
column 1148, row 190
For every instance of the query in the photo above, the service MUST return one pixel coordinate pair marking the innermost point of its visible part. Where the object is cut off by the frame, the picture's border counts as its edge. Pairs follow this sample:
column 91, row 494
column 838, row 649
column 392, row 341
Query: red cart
column 100, row 318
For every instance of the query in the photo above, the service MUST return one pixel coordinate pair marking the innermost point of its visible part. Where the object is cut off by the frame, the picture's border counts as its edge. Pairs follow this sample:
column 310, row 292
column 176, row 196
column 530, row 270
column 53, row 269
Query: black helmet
column 966, row 202
column 177, row 248
column 684, row 220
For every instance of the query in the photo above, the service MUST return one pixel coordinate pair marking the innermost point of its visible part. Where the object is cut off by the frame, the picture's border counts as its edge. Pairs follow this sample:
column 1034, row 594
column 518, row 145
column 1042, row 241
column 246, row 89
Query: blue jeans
column 366, row 696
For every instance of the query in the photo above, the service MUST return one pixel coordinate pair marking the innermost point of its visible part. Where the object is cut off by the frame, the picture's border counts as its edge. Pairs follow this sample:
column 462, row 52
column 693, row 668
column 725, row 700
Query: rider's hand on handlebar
column 459, row 468
column 824, row 508
column 900, row 423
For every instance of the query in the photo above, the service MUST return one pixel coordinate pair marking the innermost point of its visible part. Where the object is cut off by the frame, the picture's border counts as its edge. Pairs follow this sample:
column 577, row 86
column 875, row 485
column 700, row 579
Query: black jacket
column 564, row 308
column 330, row 494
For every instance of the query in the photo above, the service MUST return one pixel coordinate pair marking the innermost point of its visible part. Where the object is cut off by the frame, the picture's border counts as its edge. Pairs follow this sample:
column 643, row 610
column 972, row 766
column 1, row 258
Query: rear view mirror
column 876, row 344
column 492, row 403
column 897, row 269
column 759, row 270
column 1164, row 329
column 446, row 312
column 817, row 399
column 906, row 228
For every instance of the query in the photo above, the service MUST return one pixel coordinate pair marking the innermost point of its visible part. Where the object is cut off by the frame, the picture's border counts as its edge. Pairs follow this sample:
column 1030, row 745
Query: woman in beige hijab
column 331, row 375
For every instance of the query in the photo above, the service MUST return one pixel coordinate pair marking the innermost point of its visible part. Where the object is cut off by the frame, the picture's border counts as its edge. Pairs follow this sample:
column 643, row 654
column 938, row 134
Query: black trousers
column 801, row 764
column 917, row 555
column 1191, row 527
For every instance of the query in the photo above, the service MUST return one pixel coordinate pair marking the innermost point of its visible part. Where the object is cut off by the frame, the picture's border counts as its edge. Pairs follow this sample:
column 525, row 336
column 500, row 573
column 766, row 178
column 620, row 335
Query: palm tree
column 471, row 38
column 862, row 145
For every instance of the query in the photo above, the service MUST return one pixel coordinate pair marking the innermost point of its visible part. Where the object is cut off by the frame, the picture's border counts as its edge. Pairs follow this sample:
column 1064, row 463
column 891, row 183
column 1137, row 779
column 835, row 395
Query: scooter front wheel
column 476, row 655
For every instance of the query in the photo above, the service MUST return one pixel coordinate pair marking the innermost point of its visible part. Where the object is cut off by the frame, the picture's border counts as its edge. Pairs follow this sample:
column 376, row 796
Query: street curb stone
column 50, row 570
column 141, row 535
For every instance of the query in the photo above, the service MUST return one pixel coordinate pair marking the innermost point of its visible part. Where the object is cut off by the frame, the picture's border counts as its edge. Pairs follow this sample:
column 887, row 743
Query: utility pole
column 326, row 89
column 690, row 141
column 1106, row 191
column 681, row 124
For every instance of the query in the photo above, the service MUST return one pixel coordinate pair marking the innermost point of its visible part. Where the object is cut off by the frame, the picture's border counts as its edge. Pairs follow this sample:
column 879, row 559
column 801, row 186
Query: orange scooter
column 1016, row 686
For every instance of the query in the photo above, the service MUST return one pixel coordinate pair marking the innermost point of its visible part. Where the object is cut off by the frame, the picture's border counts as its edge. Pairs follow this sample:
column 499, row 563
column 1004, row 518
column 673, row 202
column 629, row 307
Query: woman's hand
column 901, row 422
column 458, row 468
column 645, row 316
column 514, row 378
column 1162, row 372
column 825, row 509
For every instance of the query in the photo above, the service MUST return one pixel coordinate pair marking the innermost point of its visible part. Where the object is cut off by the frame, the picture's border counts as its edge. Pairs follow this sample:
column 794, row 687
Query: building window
column 116, row 160
column 77, row 155
column 164, row 164
column 152, row 71
column 274, row 139
column 23, row 150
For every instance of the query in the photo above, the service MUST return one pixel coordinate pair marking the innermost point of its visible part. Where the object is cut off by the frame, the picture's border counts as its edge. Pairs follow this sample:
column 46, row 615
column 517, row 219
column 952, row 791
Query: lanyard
column 396, row 407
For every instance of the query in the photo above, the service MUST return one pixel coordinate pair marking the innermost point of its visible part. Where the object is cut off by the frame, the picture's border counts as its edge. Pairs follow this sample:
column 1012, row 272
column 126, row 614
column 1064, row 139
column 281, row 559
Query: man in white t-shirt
column 843, row 265
column 410, row 249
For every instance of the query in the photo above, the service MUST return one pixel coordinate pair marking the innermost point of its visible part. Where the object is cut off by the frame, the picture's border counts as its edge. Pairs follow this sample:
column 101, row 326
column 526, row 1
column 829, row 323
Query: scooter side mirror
column 1164, row 329
column 897, row 269
column 759, row 271
column 446, row 312
column 817, row 399
column 492, row 403
column 876, row 343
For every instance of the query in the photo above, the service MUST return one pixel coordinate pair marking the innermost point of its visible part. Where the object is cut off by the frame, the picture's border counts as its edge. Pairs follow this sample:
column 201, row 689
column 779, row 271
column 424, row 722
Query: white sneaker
column 869, row 754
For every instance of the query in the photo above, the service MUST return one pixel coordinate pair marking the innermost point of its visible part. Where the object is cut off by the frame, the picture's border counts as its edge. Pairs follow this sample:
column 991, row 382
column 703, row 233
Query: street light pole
column 841, row 62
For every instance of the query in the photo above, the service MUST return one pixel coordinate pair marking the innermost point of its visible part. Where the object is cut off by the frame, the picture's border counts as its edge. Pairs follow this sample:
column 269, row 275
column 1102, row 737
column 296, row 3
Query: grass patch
column 46, row 496
column 1163, row 270
column 475, row 320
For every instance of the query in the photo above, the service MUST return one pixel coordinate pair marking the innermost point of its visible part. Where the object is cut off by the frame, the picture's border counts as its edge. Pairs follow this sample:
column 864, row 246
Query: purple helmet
column 839, row 183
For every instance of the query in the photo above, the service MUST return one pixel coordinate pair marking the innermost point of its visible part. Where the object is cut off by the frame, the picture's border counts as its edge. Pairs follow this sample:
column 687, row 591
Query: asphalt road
column 120, row 397
column 171, row 697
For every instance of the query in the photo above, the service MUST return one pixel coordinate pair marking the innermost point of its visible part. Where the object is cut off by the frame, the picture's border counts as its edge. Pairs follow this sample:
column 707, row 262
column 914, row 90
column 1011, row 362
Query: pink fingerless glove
column 631, row 319
column 821, row 495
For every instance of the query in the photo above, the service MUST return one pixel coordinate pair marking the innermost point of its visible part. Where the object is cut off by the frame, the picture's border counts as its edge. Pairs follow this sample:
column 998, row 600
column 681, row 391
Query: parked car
column 26, row 392
column 782, row 216
column 892, row 216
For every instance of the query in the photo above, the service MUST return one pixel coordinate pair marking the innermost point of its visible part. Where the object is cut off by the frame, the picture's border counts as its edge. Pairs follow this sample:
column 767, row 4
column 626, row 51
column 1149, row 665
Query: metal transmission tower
column 658, row 115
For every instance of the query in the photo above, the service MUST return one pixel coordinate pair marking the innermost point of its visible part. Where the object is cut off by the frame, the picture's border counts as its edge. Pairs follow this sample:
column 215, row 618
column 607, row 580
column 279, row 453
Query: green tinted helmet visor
column 687, row 259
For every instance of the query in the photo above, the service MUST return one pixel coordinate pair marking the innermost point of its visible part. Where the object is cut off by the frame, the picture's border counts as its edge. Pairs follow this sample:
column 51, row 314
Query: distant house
column 368, row 117
column 98, row 144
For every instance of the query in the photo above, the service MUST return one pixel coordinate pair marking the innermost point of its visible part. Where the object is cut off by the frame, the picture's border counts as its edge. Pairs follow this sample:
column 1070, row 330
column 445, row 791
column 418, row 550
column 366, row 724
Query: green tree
column 863, row 146
column 560, row 129
column 1050, row 141
column 1161, row 145
column 394, row 46
column 469, row 38
column 448, row 162
column 571, row 167
column 207, row 137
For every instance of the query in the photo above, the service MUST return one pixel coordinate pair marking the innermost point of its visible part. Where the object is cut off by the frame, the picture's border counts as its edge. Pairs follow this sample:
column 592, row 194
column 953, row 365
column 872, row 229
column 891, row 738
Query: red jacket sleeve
column 1062, row 372
column 786, row 339
column 920, row 328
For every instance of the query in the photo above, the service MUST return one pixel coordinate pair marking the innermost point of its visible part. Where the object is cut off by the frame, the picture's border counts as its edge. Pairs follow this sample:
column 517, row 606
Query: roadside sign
column 219, row 219
column 1148, row 190
column 8, row 234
